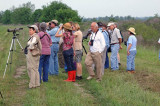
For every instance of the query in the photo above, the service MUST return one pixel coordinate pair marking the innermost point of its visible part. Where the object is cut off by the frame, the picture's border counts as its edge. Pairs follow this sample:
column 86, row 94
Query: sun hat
column 54, row 21
column 109, row 24
column 131, row 29
column 67, row 26
column 34, row 27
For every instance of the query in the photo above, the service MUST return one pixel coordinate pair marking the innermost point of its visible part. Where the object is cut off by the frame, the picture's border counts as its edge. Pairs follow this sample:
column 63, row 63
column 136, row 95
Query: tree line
column 26, row 14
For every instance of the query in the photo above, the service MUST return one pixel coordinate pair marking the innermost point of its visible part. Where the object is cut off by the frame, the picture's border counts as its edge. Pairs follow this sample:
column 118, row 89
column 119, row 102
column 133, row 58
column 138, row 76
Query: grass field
column 116, row 89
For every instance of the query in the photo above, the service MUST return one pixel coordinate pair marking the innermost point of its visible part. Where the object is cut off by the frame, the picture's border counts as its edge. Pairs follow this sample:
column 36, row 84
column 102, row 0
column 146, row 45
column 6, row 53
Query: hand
column 120, row 47
column 61, row 27
column 128, row 53
column 89, row 43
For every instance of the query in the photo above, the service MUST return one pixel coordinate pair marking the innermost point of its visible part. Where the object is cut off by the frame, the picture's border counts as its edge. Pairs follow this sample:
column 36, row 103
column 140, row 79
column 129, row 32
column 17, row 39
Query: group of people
column 43, row 47
column 46, row 40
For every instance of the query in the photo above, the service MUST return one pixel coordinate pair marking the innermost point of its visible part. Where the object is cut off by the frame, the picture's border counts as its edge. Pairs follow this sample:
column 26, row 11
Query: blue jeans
column 68, row 57
column 53, row 60
column 114, row 60
column 44, row 64
column 107, row 61
column 131, row 60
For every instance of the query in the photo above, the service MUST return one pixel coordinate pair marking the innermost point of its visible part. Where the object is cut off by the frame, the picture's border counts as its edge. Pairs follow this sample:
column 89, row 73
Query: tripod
column 11, row 48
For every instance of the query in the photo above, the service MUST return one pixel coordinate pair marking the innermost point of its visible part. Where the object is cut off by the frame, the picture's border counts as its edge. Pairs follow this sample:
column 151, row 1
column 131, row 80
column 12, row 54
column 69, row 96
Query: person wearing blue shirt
column 53, row 61
column 103, row 28
column 131, row 50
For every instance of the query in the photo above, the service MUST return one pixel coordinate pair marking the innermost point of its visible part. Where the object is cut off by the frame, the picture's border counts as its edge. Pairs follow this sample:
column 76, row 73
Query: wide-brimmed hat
column 67, row 26
column 131, row 29
column 109, row 24
column 54, row 21
column 34, row 27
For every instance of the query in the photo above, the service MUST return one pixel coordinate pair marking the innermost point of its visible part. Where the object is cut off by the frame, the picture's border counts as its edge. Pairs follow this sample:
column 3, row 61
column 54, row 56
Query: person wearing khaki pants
column 33, row 56
column 94, row 58
column 97, row 45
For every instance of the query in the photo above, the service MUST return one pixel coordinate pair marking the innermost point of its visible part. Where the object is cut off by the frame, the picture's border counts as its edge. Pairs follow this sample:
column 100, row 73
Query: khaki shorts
column 78, row 57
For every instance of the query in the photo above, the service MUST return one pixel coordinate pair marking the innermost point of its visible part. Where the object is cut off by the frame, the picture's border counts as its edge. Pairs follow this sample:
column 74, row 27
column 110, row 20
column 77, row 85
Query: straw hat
column 131, row 29
column 67, row 26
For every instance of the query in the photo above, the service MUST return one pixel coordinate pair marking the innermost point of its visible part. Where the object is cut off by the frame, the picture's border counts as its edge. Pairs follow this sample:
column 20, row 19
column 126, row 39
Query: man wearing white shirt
column 97, row 45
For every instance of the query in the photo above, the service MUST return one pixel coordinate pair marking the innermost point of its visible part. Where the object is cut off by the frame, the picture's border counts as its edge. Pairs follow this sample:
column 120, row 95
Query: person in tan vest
column 33, row 56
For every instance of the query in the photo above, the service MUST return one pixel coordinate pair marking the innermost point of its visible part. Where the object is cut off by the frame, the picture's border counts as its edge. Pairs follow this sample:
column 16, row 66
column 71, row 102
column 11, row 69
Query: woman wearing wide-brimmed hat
column 68, row 52
column 131, row 50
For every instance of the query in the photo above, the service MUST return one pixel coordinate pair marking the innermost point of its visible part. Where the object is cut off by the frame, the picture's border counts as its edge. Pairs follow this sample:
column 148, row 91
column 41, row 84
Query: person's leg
column 41, row 63
column 107, row 61
column 45, row 68
column 118, row 56
column 114, row 60
column 67, row 58
column 36, row 64
column 51, row 62
column 97, row 58
column 56, row 72
column 79, row 65
column 129, row 61
column 133, row 61
column 88, row 63
column 159, row 54
column 103, row 59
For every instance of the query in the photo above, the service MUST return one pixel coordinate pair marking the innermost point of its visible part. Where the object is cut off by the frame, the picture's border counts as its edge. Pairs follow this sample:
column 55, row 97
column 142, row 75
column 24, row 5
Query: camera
column 14, row 30
column 91, row 42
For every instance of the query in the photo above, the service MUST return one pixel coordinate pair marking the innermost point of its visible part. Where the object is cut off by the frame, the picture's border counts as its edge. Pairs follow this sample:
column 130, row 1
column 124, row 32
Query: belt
column 55, row 42
column 114, row 43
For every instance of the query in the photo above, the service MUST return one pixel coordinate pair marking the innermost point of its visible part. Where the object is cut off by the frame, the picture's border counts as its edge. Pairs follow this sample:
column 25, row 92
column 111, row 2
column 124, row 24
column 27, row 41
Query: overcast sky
column 96, row 8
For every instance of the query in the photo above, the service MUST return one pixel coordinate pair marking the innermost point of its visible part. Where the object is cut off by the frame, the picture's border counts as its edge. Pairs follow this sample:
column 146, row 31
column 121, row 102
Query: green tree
column 36, row 15
column 1, row 14
column 21, row 15
column 59, row 11
column 6, row 17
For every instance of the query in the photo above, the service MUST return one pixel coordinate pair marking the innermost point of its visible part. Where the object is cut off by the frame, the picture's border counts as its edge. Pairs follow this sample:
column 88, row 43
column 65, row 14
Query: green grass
column 116, row 88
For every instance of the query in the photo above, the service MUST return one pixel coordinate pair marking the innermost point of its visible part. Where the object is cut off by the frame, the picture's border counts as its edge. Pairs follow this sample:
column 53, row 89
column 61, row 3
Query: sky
column 98, row 8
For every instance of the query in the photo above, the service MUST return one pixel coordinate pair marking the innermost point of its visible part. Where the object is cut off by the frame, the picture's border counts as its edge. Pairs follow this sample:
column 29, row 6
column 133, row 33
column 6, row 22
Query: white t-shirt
column 99, row 42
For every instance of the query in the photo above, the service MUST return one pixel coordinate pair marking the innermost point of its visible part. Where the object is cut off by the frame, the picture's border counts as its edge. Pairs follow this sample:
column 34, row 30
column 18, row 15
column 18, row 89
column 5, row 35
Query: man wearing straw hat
column 131, row 50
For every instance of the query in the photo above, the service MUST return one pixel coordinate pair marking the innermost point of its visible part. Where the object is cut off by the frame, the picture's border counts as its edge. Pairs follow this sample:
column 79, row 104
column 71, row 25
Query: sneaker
column 89, row 78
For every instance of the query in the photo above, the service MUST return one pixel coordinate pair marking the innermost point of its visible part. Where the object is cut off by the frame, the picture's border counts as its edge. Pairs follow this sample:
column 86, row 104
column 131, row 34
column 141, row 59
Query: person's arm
column 119, row 37
column 74, row 46
column 129, row 47
column 57, row 34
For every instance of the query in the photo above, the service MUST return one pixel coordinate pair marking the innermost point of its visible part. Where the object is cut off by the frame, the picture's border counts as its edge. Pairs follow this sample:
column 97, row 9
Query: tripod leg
column 12, row 53
column 11, row 47
column 1, row 95
column 19, row 44
column 84, row 48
